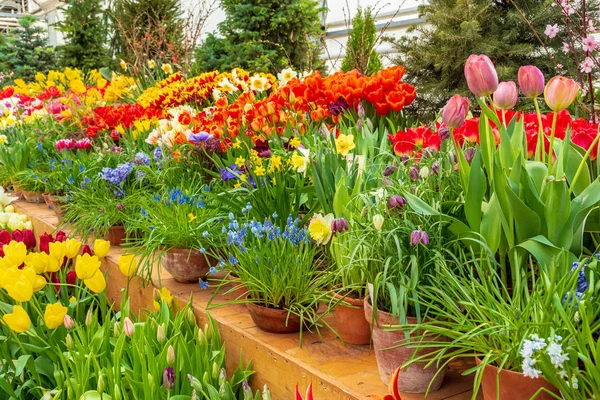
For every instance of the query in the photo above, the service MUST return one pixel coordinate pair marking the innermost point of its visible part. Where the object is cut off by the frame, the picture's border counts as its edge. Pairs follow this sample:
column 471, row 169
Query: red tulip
column 71, row 278
column 60, row 236
column 4, row 237
column 506, row 96
column 45, row 241
column 56, row 282
column 29, row 239
column 560, row 92
column 86, row 250
column 481, row 75
column 531, row 81
column 456, row 111
column 17, row 236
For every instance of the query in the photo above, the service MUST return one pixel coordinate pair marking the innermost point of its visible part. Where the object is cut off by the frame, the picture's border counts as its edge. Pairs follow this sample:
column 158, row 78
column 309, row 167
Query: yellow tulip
column 127, row 264
column 86, row 266
column 54, row 315
column 17, row 285
column 18, row 320
column 101, row 248
column 52, row 264
column 40, row 283
column 37, row 261
column 73, row 246
column 14, row 254
column 58, row 250
column 96, row 283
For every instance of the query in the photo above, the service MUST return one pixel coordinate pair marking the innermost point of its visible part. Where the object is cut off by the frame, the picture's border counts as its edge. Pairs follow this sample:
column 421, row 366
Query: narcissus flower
column 320, row 228
column 166, row 68
column 300, row 161
column 344, row 143
column 101, row 248
column 54, row 315
column 96, row 283
column 127, row 264
column 18, row 320
column 86, row 266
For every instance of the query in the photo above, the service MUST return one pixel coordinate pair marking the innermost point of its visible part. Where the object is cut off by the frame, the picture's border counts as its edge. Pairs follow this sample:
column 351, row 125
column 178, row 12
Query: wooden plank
column 337, row 371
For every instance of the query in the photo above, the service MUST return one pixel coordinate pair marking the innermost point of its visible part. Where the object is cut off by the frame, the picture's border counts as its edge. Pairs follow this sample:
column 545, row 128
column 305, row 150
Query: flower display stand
column 336, row 371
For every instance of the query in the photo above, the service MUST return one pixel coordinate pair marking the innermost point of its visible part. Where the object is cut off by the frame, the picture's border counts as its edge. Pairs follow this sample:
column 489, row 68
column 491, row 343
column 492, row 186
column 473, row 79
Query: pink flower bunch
column 65, row 144
column 83, row 144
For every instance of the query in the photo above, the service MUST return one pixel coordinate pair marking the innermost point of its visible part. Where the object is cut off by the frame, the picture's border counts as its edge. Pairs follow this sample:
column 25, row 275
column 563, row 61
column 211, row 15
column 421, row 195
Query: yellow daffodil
column 72, row 299
column 86, row 266
column 54, row 315
column 276, row 163
column 167, row 69
column 127, row 264
column 96, row 283
column 2, row 139
column 151, row 64
column 259, row 171
column 295, row 142
column 240, row 161
column 18, row 320
column 101, row 248
column 123, row 65
column 236, row 144
column 344, row 143
column 300, row 161
column 72, row 248
column 192, row 217
column 320, row 228
column 58, row 250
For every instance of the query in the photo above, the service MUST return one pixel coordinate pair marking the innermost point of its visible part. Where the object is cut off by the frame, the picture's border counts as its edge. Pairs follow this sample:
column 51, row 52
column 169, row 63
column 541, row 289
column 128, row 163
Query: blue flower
column 223, row 229
column 233, row 260
column 231, row 216
column 248, row 206
column 144, row 213
column 71, row 180
column 275, row 215
column 203, row 285
column 158, row 153
column 202, row 250
column 230, row 173
column 199, row 137
column 212, row 270
column 205, row 234
column 141, row 159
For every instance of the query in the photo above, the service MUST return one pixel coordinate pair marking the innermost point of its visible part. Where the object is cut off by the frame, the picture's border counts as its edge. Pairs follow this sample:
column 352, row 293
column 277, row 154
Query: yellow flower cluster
column 22, row 274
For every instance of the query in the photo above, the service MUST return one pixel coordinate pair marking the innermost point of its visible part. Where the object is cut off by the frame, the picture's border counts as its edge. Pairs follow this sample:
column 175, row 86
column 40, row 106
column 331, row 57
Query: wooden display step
column 337, row 371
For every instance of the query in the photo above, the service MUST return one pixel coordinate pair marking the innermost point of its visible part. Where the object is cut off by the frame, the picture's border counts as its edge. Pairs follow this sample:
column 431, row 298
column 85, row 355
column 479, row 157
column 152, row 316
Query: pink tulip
column 456, row 111
column 506, row 96
column 531, row 81
column 481, row 75
column 560, row 92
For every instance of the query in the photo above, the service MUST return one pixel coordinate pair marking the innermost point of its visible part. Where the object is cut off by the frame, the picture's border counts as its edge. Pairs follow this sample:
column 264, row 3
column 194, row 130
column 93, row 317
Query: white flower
column 529, row 371
column 379, row 194
column 557, row 357
column 5, row 199
column 286, row 75
column 576, row 317
column 227, row 86
column 259, row 83
column 574, row 382
column 551, row 30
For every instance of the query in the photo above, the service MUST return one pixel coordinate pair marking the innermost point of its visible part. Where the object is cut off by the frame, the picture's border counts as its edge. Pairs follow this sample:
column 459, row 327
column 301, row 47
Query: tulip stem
column 504, row 118
column 551, row 150
column 584, row 161
column 539, row 152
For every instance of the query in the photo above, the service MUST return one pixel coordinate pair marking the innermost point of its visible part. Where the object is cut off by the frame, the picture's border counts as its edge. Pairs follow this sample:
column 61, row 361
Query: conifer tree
column 434, row 53
column 360, row 48
column 264, row 36
column 85, row 35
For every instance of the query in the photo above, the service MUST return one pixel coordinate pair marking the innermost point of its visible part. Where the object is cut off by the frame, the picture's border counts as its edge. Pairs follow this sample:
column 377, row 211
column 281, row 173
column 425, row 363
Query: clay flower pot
column 274, row 320
column 185, row 265
column 414, row 379
column 17, row 189
column 351, row 322
column 240, row 291
column 513, row 385
column 116, row 235
column 31, row 196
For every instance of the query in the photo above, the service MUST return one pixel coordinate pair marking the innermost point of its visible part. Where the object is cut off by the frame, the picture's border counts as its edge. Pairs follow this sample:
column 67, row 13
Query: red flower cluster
column 107, row 118
column 25, row 236
column 413, row 141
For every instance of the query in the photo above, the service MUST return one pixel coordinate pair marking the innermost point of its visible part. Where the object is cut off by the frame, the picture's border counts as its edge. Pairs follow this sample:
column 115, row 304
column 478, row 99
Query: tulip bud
column 424, row 172
column 481, row 75
column 369, row 124
column 247, row 391
column 413, row 173
column 156, row 295
column 61, row 236
column 364, row 211
column 359, row 125
column 160, row 334
column 339, row 225
column 170, row 355
column 201, row 337
column 191, row 317
column 378, row 221
column 71, row 278
column 68, row 322
column 455, row 112
column 208, row 332
column 168, row 378
column 444, row 132
column 195, row 395
column 560, row 92
column 389, row 170
column 128, row 327
column 531, row 81
column 86, row 250
column 69, row 341
column 360, row 110
column 215, row 370
column 195, row 383
column 116, row 330
column 506, row 96
column 29, row 239
column 150, row 380
column 396, row 202
column 469, row 154
column 435, row 167
column 117, row 390
column 89, row 318
column 45, row 240
column 101, row 383
column 222, row 376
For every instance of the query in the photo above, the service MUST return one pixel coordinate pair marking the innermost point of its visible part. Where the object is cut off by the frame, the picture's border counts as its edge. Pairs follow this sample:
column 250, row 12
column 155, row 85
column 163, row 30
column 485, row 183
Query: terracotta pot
column 116, row 235
column 31, row 196
column 185, row 265
column 240, row 291
column 513, row 385
column 17, row 189
column 414, row 379
column 274, row 320
column 351, row 323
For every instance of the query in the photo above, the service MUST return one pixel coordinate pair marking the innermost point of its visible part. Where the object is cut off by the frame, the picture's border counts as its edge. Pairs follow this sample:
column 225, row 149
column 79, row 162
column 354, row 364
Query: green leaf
column 475, row 192
column 491, row 226
column 543, row 250
column 20, row 364
column 94, row 395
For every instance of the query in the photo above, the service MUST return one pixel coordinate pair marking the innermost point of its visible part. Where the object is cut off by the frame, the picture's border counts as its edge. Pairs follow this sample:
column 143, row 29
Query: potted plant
column 521, row 343
column 180, row 227
column 279, row 266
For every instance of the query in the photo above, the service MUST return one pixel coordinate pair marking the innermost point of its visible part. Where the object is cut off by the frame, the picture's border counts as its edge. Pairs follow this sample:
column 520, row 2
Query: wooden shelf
column 337, row 371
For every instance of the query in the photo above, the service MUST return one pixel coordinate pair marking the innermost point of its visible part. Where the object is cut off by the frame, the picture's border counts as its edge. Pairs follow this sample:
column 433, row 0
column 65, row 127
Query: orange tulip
column 560, row 92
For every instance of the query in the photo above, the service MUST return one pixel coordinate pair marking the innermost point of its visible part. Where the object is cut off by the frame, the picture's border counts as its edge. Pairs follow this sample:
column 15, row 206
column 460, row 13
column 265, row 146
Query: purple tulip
column 168, row 378
column 396, row 202
column 419, row 236
column 413, row 173
column 444, row 133
column 389, row 170
column 456, row 111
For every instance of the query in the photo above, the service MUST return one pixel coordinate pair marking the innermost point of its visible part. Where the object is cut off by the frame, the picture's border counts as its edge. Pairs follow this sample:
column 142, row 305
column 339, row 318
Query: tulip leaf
column 491, row 228
column 543, row 250
column 341, row 198
column 21, row 362
column 557, row 212
column 487, row 143
column 505, row 148
column 475, row 192
column 592, row 223
column 489, row 113
column 7, row 387
column 574, row 161
column 537, row 172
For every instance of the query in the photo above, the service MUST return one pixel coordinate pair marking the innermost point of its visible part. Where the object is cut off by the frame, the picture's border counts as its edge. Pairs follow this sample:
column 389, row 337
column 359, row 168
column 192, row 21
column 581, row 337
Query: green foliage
column 148, row 30
column 85, row 35
column 26, row 51
column 264, row 36
column 435, row 53
column 360, row 49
